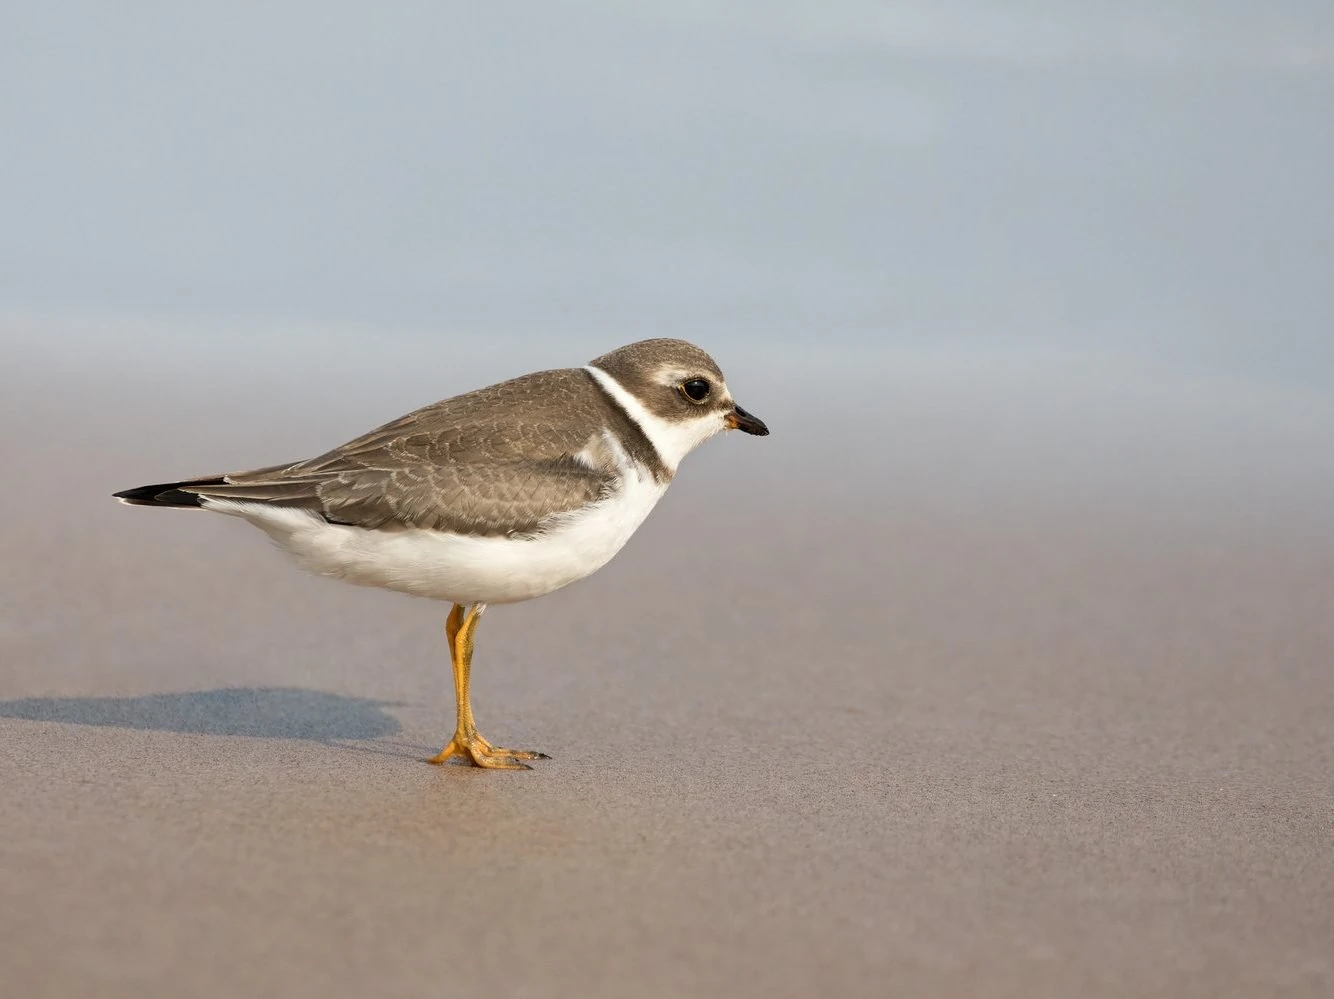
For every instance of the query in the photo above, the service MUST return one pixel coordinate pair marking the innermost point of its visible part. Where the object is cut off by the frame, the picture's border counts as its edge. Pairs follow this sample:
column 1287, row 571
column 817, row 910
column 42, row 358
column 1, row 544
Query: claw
column 518, row 754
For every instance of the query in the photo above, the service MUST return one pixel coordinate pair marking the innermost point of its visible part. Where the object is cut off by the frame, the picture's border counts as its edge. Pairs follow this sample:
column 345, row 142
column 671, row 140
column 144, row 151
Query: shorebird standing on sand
column 499, row 495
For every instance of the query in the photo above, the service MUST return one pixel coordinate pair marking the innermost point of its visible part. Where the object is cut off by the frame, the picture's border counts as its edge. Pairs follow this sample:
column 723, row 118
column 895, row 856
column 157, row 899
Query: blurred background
column 1102, row 224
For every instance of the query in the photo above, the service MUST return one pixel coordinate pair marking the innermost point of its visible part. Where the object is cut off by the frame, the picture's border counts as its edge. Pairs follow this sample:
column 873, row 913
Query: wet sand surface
column 823, row 728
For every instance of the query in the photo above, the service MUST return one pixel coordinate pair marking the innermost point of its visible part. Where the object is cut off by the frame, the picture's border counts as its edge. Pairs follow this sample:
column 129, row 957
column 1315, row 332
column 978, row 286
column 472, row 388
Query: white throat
column 673, row 439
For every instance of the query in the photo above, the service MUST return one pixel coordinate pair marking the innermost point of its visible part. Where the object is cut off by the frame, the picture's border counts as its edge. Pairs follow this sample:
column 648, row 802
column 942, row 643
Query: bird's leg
column 460, row 629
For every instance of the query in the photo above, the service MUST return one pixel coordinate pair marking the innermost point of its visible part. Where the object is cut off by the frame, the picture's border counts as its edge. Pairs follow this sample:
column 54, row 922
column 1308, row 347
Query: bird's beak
column 739, row 419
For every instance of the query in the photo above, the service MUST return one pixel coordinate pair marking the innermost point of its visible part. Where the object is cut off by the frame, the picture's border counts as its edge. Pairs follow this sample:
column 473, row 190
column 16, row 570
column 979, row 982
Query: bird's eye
column 696, row 390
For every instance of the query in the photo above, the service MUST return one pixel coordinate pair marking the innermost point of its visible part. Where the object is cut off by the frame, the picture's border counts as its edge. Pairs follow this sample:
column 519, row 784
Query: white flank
column 673, row 439
column 463, row 568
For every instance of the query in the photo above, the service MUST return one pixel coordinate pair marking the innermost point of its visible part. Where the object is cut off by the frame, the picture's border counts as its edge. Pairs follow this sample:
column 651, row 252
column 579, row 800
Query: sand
column 961, row 736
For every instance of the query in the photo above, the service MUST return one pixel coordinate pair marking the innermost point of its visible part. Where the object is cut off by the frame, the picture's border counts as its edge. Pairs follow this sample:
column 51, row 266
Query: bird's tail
column 171, row 494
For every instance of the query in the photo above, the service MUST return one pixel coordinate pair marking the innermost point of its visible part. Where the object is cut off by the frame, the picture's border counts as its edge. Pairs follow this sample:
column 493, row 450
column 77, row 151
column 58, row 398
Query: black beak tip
column 748, row 423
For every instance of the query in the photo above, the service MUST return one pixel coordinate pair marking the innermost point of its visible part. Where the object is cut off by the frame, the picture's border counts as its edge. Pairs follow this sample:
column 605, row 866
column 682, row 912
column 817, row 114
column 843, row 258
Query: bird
column 496, row 496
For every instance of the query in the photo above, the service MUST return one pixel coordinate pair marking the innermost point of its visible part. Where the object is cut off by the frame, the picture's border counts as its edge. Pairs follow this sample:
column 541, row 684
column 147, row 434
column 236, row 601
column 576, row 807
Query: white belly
column 458, row 568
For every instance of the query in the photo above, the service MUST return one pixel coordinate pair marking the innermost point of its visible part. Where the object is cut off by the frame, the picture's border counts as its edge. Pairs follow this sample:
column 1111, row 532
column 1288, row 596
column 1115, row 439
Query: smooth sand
column 924, row 745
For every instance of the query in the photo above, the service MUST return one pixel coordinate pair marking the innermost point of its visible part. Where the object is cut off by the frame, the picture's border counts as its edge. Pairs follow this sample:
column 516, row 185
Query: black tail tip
column 162, row 494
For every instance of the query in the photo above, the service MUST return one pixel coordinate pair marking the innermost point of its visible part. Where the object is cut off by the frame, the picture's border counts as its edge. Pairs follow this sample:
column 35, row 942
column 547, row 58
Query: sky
column 1145, row 179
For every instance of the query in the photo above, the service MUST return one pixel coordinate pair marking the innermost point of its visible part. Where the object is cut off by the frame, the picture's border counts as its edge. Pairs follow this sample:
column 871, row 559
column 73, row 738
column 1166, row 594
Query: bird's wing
column 497, row 461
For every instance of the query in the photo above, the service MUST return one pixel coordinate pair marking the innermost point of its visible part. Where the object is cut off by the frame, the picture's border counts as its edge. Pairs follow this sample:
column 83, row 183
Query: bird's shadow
column 257, row 712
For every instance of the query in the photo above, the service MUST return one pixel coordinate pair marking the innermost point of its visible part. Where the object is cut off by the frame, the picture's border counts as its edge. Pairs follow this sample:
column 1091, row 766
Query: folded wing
column 491, row 462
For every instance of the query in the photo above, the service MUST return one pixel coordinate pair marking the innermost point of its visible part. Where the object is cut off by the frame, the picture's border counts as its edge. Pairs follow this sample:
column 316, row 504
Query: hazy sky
column 1153, row 177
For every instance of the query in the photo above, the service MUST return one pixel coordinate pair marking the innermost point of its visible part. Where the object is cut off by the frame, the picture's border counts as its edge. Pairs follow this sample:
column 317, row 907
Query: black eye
column 696, row 390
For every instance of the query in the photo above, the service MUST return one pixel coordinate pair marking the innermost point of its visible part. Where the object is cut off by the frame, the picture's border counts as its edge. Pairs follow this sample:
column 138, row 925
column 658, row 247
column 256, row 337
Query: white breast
column 455, row 567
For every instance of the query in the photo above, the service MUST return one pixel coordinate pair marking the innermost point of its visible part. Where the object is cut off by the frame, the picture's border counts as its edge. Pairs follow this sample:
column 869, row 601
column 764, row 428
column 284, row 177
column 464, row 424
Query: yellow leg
column 460, row 629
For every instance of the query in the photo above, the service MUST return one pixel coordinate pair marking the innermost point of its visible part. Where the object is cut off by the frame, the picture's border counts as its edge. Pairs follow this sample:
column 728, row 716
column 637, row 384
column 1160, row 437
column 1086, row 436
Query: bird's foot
column 480, row 753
